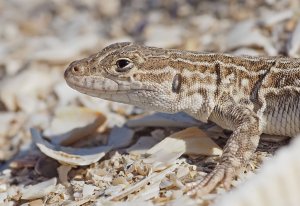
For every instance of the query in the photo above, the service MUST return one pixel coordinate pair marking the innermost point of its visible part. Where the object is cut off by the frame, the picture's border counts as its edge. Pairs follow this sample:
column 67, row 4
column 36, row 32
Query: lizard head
column 129, row 73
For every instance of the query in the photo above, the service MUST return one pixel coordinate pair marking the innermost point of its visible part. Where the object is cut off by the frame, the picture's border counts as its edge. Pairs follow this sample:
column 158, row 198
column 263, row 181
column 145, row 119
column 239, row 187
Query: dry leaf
column 70, row 124
column 67, row 155
column 189, row 141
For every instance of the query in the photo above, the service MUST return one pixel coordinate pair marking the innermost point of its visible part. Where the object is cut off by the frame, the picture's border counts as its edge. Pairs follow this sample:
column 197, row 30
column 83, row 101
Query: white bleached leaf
column 68, row 155
column 73, row 123
column 188, row 141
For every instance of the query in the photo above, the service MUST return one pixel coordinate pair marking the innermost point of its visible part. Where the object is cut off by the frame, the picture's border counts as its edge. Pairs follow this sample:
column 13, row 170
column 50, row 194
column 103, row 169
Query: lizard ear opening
column 176, row 85
column 124, row 65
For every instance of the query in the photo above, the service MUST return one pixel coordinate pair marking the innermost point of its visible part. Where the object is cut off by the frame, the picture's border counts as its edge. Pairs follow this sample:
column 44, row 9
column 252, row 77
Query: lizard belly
column 282, row 115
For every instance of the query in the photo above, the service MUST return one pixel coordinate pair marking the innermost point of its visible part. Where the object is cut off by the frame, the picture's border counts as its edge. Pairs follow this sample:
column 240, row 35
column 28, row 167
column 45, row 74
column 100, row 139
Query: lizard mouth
column 96, row 90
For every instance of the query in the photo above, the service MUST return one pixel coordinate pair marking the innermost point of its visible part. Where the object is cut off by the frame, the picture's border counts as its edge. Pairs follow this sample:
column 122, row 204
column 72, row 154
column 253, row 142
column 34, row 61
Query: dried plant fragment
column 67, row 155
column 189, row 141
column 70, row 124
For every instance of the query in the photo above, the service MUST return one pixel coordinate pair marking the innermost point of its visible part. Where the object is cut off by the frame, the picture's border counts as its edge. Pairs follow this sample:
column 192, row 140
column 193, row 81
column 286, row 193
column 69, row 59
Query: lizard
column 245, row 94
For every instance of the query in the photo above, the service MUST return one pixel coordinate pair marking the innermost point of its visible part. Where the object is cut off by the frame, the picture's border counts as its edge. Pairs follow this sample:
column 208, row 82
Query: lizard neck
column 200, row 78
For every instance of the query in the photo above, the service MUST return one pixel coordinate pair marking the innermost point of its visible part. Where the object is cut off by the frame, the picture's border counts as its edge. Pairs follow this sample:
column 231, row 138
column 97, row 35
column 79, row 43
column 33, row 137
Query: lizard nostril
column 75, row 69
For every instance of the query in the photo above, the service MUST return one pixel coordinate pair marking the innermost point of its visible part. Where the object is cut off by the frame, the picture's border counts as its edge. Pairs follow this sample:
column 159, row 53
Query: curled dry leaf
column 38, row 190
column 73, row 123
column 68, row 155
column 188, row 141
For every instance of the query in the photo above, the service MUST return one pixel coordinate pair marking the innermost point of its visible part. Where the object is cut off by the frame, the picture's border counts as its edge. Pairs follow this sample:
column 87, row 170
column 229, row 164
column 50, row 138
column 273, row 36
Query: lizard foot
column 221, row 174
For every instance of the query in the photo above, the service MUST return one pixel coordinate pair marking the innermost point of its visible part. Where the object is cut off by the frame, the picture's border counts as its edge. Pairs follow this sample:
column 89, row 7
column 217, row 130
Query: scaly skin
column 248, row 95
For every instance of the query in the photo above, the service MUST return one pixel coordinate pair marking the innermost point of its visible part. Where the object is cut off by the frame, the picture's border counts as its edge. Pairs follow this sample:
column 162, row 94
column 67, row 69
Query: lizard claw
column 221, row 174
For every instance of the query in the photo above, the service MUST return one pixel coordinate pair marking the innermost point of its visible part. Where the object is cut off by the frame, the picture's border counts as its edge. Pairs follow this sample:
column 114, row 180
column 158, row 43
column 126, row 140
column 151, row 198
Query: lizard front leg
column 239, row 148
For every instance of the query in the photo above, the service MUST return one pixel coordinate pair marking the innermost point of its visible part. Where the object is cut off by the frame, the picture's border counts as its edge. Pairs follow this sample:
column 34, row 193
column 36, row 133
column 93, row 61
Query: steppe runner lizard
column 248, row 95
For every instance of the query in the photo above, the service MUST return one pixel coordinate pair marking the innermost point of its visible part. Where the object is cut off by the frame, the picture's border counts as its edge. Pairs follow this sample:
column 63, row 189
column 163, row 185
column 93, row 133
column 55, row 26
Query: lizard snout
column 76, row 68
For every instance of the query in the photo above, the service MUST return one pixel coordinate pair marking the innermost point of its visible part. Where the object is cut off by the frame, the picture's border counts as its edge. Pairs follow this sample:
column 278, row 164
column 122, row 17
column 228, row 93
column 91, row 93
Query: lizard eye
column 124, row 65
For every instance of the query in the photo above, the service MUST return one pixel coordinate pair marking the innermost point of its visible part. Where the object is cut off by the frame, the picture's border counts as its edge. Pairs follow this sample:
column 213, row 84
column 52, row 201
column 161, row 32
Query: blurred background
column 38, row 39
